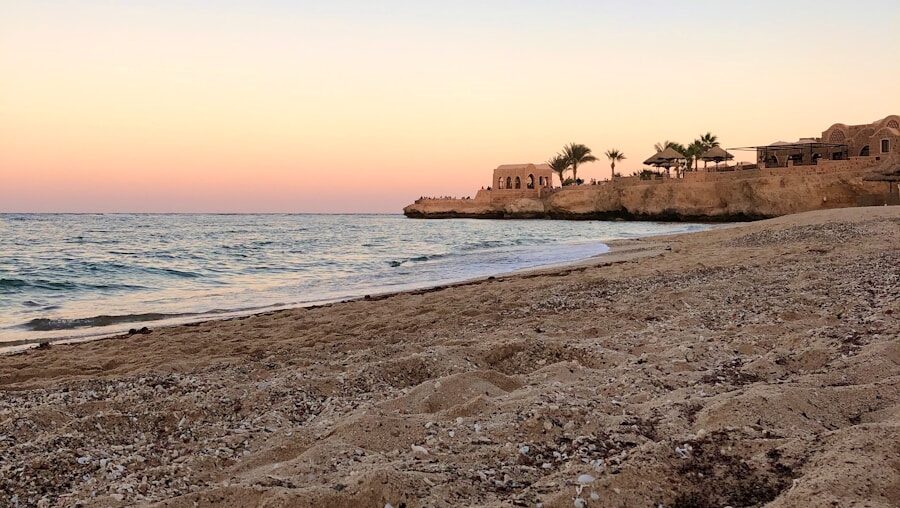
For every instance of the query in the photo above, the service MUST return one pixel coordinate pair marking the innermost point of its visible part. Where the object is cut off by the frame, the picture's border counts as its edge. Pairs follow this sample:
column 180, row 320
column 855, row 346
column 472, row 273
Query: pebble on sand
column 585, row 479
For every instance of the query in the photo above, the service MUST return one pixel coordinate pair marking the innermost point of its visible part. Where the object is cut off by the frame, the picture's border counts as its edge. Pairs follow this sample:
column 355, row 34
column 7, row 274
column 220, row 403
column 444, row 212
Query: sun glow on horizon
column 274, row 106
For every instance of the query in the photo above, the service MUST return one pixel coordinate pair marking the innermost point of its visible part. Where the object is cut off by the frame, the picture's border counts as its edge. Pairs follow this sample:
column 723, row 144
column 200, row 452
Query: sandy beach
column 744, row 366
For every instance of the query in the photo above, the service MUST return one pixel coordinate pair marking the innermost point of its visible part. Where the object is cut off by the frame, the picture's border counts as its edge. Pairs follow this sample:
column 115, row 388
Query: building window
column 864, row 152
column 518, row 183
column 885, row 145
column 508, row 182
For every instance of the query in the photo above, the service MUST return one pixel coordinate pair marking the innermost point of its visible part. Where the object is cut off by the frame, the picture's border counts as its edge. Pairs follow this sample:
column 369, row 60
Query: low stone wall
column 854, row 164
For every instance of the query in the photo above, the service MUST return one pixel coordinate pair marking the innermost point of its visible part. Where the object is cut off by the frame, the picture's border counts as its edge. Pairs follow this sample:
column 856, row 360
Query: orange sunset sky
column 359, row 106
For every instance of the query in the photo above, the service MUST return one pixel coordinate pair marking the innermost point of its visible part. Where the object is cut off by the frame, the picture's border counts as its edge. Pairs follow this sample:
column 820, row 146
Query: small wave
column 178, row 273
column 13, row 285
column 47, row 325
column 493, row 244
column 39, row 283
column 416, row 259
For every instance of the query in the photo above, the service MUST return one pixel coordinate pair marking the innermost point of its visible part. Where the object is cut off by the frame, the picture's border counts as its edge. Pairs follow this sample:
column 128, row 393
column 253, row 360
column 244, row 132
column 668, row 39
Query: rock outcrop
column 736, row 196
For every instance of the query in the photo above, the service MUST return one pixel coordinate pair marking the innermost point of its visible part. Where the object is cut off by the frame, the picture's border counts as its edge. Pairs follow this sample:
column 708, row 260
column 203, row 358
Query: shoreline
column 745, row 366
column 616, row 247
column 662, row 216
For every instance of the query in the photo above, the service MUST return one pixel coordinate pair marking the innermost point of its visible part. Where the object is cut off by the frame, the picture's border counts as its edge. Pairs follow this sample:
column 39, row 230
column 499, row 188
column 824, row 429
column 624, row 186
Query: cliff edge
column 734, row 196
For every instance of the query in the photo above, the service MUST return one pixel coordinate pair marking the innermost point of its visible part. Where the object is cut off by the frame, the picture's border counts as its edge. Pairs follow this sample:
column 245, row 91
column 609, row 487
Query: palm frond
column 659, row 147
column 558, row 163
column 709, row 140
column 615, row 155
column 578, row 153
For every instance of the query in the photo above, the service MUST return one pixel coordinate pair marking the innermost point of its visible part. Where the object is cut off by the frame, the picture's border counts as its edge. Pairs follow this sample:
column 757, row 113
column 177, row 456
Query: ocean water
column 76, row 276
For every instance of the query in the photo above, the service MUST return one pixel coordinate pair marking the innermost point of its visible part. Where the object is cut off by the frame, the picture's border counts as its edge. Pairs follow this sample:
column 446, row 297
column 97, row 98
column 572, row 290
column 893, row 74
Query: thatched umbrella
column 717, row 155
column 889, row 174
column 668, row 157
column 653, row 160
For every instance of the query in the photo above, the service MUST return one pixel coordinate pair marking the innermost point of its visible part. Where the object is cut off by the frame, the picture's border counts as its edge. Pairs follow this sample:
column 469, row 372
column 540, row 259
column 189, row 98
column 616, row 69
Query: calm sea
column 76, row 276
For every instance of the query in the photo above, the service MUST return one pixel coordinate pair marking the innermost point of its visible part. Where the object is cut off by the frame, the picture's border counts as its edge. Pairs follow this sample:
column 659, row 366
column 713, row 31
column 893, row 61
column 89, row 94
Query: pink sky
column 169, row 106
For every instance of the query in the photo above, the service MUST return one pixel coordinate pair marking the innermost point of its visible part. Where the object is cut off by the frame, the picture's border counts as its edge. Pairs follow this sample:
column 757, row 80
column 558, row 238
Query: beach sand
column 740, row 366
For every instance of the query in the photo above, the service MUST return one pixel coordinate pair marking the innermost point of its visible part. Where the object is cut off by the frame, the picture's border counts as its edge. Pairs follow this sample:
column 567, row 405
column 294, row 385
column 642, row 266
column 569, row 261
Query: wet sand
column 757, row 364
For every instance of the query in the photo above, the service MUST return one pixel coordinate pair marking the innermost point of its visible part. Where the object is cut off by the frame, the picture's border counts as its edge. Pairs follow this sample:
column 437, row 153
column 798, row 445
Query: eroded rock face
column 735, row 199
column 525, row 207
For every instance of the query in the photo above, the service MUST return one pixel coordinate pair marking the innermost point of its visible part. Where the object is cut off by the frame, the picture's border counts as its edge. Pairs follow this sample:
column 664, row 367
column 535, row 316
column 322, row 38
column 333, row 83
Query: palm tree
column 693, row 153
column 614, row 156
column 708, row 141
column 577, row 154
column 559, row 163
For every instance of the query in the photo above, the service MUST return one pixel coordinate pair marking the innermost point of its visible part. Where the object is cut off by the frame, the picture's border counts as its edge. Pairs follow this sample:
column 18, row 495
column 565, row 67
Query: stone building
column 878, row 139
column 522, row 177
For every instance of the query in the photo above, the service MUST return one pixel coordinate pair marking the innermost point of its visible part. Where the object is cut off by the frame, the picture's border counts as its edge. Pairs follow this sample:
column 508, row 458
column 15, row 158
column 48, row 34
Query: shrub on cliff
column 648, row 174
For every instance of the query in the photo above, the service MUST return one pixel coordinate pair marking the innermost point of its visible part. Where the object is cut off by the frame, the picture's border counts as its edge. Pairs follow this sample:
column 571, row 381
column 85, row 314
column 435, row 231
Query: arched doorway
column 864, row 152
column 530, row 181
column 508, row 182
column 518, row 183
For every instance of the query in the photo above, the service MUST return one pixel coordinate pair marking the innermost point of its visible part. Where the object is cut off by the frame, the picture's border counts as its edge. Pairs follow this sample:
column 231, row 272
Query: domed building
column 876, row 138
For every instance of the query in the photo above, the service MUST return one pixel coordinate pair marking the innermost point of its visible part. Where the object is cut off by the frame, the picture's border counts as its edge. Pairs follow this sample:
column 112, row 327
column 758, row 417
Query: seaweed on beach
column 716, row 478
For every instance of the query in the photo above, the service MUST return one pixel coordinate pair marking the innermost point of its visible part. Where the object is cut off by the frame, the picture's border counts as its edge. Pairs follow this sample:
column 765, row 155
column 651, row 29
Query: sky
column 362, row 106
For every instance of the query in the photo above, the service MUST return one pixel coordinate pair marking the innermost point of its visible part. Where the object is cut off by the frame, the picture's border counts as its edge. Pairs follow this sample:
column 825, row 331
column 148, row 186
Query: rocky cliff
column 702, row 197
